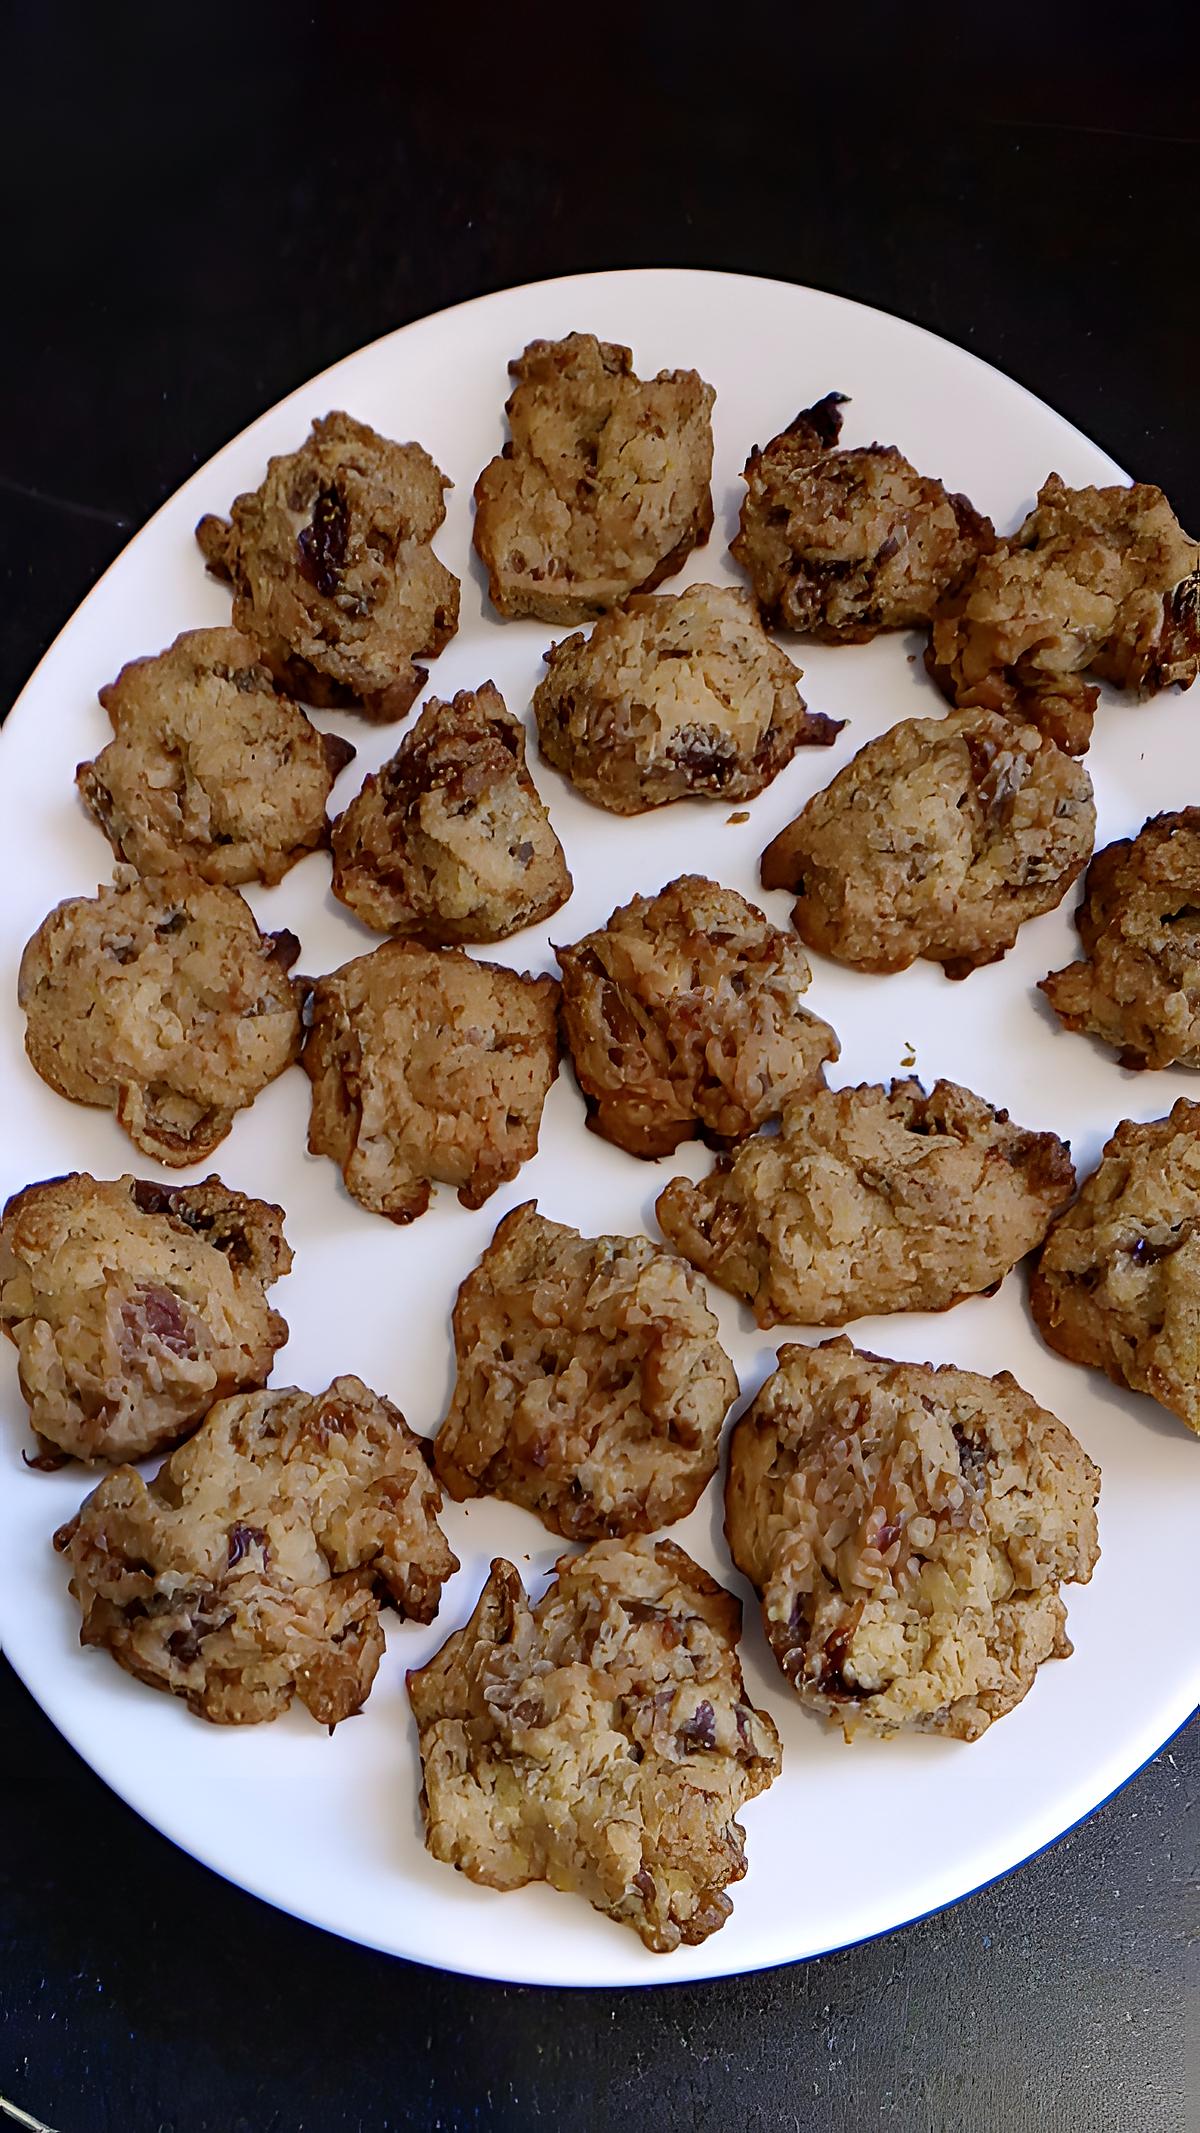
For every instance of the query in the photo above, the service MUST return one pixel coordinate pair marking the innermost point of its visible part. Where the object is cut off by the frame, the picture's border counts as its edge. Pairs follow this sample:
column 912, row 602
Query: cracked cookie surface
column 682, row 1016
column 868, row 1200
column 590, row 1386
column 333, row 571
column 162, row 1001
column 938, row 840
column 602, row 1740
column 450, row 840
column 252, row 1568
column 1117, row 1282
column 908, row 1530
column 840, row 543
column 134, row 1307
column 210, row 768
column 603, row 487
column 1099, row 582
column 1137, row 986
column 674, row 696
column 428, row 1066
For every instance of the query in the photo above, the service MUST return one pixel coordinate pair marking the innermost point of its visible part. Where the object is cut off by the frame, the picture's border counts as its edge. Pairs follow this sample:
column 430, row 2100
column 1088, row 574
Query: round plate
column 850, row 1841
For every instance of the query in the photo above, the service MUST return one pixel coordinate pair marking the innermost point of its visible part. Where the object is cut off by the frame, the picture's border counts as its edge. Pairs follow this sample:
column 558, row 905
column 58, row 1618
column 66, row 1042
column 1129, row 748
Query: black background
column 202, row 209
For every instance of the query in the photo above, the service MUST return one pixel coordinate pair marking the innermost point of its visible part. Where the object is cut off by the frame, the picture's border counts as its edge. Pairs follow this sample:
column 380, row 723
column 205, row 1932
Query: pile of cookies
column 908, row 1530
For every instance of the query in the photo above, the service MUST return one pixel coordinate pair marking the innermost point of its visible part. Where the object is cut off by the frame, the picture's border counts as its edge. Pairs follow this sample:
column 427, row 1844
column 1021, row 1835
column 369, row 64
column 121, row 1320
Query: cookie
column 427, row 1066
column 678, row 696
column 868, row 1200
column 450, row 840
column 939, row 839
column 252, row 1568
column 134, row 1307
column 590, row 1385
column 1138, row 984
column 602, row 1741
column 332, row 569
column 841, row 544
column 161, row 1000
column 1100, row 582
column 908, row 1531
column 1117, row 1282
column 682, row 1016
column 211, row 768
column 603, row 488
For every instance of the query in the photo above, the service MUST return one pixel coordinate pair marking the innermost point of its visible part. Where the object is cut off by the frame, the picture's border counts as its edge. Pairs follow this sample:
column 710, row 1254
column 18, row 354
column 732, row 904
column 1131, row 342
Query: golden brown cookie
column 332, row 569
column 939, row 839
column 1117, row 1282
column 211, row 768
column 871, row 1199
column 426, row 1066
column 163, row 1002
column 682, row 1016
column 602, row 1741
column 677, row 696
column 1138, row 985
column 590, row 1385
column 134, row 1307
column 841, row 544
column 252, row 1568
column 603, row 488
column 450, row 840
column 907, row 1530
column 1097, row 581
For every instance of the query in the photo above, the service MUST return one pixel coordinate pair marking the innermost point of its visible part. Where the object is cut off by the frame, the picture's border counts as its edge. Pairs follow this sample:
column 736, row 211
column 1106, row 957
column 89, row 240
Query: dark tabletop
column 201, row 210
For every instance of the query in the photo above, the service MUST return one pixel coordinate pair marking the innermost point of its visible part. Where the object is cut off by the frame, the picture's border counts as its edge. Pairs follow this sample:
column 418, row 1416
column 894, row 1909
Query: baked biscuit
column 1138, row 985
column 590, row 1384
column 869, row 1200
column 162, row 1001
column 602, row 1741
column 332, row 568
column 939, row 839
column 841, row 544
column 682, row 695
column 1117, row 1282
column 134, row 1307
column 1097, row 581
column 252, row 1568
column 450, row 840
column 682, row 1016
column 428, row 1066
column 907, row 1530
column 210, row 767
column 603, row 487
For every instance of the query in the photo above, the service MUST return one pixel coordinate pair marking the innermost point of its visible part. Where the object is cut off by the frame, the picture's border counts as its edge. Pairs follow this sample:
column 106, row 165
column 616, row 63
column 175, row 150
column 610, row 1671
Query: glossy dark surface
column 201, row 211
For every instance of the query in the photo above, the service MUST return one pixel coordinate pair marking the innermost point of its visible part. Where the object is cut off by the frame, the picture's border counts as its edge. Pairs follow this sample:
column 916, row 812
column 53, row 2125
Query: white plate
column 850, row 1841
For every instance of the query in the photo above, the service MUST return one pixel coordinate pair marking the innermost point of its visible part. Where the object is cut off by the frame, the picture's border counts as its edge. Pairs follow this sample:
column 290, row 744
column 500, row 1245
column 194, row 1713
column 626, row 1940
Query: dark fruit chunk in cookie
column 332, row 569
